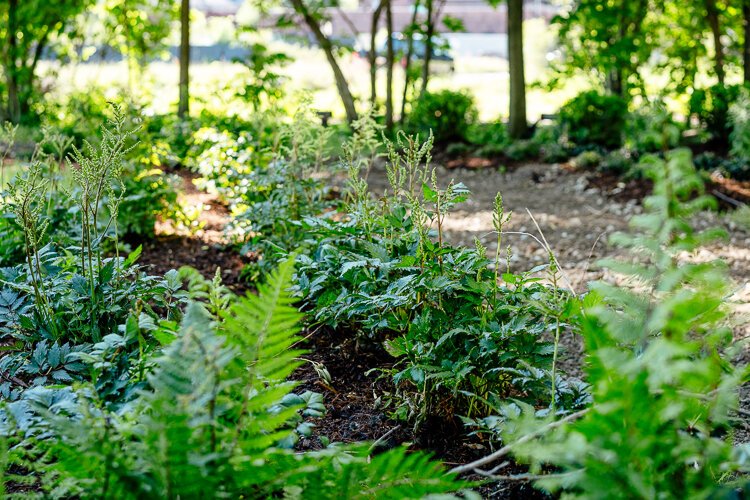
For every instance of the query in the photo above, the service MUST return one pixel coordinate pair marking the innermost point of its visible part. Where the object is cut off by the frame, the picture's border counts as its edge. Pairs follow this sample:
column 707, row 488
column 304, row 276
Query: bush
column 447, row 114
column 456, row 149
column 482, row 134
column 595, row 119
column 216, row 418
column 617, row 162
column 711, row 106
column 588, row 160
column 739, row 115
column 522, row 150
column 652, row 128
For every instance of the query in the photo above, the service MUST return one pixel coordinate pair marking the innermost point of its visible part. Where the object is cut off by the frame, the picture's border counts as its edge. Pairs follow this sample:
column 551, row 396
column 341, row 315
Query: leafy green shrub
column 594, row 119
column 483, row 134
column 150, row 195
column 617, row 162
column 216, row 418
column 711, row 106
column 554, row 152
column 664, row 389
column 492, row 150
column 442, row 309
column 277, row 196
column 522, row 150
column 652, row 128
column 447, row 114
column 69, row 292
column 456, row 149
column 739, row 113
column 588, row 160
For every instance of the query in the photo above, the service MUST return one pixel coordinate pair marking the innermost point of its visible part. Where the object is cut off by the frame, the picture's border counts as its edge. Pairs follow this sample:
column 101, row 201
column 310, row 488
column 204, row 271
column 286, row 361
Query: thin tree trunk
column 428, row 46
column 746, row 41
column 712, row 16
column 341, row 84
column 14, row 104
column 517, row 124
column 389, row 66
column 372, row 57
column 407, row 65
column 183, row 108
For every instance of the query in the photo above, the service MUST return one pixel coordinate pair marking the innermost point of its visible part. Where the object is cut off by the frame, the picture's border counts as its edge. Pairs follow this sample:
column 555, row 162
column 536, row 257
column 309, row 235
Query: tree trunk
column 183, row 108
column 517, row 126
column 427, row 46
column 11, row 68
column 746, row 41
column 372, row 57
column 341, row 84
column 389, row 66
column 712, row 16
column 407, row 65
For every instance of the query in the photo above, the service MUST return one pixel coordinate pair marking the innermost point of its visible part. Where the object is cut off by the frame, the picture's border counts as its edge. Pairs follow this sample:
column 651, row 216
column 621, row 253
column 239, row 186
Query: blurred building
column 477, row 15
column 217, row 8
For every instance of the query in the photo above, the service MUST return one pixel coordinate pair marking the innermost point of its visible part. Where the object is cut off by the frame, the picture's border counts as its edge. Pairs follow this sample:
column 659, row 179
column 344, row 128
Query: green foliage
column 659, row 354
column 711, row 106
column 138, row 29
column 483, row 134
column 609, row 41
column 594, row 119
column 587, row 160
column 264, row 87
column 382, row 273
column 651, row 128
column 66, row 292
column 149, row 195
column 739, row 114
column 618, row 162
column 213, row 421
column 519, row 150
column 34, row 24
column 447, row 114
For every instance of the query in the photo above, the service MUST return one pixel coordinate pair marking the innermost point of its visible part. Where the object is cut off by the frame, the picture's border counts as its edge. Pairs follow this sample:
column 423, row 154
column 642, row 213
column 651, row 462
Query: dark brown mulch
column 613, row 186
column 355, row 410
column 172, row 252
column 206, row 249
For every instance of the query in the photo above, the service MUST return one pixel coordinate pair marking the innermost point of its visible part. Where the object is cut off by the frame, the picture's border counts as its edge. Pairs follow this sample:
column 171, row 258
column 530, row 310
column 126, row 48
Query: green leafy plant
column 214, row 420
column 594, row 119
column 659, row 363
column 440, row 310
column 711, row 105
column 447, row 114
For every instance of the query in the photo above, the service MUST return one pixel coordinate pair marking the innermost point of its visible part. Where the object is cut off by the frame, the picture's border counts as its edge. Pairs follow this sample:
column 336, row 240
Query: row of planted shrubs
column 593, row 121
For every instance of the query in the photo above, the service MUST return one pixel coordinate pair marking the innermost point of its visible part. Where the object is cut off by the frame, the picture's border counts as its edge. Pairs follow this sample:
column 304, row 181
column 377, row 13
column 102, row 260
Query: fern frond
column 264, row 328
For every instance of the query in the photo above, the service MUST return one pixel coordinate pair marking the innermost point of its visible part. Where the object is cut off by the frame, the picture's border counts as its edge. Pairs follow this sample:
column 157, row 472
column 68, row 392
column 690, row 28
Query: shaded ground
column 205, row 249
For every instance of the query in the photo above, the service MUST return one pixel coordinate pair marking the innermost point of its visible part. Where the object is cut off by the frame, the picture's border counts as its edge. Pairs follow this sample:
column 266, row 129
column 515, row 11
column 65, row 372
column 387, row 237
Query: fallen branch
column 507, row 448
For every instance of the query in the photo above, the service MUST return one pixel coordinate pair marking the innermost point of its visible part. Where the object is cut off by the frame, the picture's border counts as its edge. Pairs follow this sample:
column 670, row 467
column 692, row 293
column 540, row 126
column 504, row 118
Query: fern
column 214, row 423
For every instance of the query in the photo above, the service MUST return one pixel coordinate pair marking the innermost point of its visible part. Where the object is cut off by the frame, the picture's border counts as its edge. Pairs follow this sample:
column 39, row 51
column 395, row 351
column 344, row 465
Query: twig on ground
column 383, row 438
column 507, row 448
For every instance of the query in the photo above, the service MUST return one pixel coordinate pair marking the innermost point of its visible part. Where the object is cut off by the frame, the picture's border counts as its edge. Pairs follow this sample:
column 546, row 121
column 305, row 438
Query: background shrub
column 711, row 106
column 447, row 113
column 596, row 119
